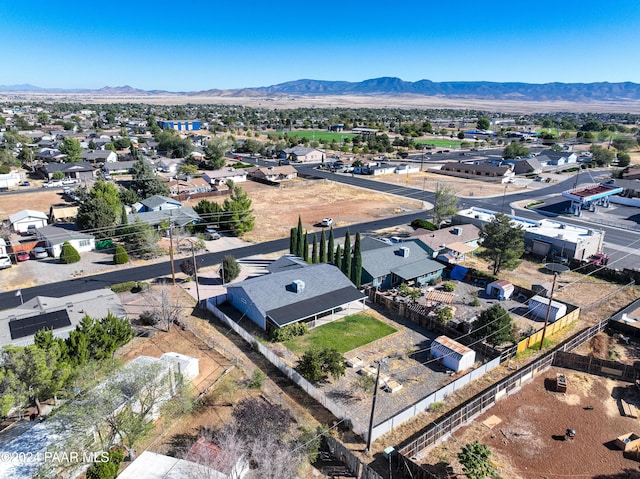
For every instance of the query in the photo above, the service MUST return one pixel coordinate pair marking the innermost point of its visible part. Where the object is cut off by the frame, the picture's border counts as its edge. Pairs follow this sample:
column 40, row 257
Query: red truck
column 600, row 259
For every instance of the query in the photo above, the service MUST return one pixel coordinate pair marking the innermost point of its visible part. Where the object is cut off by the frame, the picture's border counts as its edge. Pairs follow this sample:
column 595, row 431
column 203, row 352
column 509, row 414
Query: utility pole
column 373, row 409
column 173, row 270
column 546, row 319
column 195, row 272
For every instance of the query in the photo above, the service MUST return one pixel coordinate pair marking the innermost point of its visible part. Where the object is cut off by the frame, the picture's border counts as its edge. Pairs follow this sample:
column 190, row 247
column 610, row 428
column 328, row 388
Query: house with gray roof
column 440, row 241
column 54, row 236
column 99, row 156
column 389, row 265
column 157, row 203
column 78, row 170
column 556, row 158
column 295, row 294
column 19, row 325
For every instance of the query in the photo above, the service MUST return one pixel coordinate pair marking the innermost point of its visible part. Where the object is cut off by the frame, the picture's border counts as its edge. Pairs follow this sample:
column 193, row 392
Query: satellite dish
column 557, row 267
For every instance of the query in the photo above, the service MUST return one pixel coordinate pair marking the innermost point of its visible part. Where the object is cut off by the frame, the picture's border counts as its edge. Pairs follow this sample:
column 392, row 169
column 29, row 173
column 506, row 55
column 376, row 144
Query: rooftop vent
column 457, row 231
column 297, row 286
column 403, row 251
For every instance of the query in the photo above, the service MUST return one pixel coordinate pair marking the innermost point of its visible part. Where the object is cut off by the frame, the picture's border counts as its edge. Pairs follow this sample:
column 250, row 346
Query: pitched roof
column 24, row 214
column 158, row 200
column 446, row 236
column 325, row 287
column 57, row 234
column 382, row 261
column 178, row 216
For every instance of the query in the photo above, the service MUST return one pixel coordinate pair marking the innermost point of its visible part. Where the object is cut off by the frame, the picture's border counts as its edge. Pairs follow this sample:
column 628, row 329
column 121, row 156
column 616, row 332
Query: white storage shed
column 452, row 354
column 538, row 306
column 500, row 288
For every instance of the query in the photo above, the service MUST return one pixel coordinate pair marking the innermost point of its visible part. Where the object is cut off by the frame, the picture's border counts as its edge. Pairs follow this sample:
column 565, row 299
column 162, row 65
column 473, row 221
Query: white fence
column 338, row 410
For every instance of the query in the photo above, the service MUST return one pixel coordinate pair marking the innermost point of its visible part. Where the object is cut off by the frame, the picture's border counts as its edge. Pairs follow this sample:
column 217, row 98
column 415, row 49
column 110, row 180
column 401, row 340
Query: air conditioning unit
column 404, row 251
column 297, row 286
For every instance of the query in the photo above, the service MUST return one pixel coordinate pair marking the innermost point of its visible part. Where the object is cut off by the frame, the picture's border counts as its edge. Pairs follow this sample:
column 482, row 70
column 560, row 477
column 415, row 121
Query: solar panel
column 24, row 327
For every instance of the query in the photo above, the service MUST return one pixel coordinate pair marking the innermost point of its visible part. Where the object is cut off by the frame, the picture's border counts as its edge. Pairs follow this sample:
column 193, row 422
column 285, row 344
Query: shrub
column 148, row 318
column 424, row 224
column 448, row 286
column 230, row 268
column 69, row 254
column 437, row 406
column 475, row 303
column 122, row 287
column 289, row 331
column 257, row 379
column 444, row 315
column 121, row 256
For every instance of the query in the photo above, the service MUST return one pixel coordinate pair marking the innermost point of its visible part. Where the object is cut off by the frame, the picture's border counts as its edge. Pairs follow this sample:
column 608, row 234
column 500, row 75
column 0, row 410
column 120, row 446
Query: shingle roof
column 272, row 292
column 178, row 216
column 21, row 215
column 157, row 200
column 382, row 261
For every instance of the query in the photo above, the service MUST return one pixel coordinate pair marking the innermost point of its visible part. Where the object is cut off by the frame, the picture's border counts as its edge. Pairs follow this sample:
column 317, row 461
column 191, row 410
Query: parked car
column 69, row 181
column 326, row 222
column 22, row 256
column 25, row 183
column 211, row 234
column 5, row 262
column 30, row 231
column 39, row 252
column 600, row 259
column 52, row 184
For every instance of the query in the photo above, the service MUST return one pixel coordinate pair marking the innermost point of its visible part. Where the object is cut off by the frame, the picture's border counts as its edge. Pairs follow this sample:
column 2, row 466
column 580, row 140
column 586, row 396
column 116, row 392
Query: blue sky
column 198, row 45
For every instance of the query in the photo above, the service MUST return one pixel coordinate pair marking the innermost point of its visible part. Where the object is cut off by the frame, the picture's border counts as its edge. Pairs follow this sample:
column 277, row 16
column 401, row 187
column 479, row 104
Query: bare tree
column 165, row 307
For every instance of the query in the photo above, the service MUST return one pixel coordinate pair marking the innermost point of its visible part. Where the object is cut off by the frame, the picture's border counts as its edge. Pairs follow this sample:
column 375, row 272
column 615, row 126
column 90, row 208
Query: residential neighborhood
column 362, row 304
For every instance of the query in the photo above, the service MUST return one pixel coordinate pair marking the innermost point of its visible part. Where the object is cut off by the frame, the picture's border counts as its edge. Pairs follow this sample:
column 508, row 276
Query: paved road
column 620, row 243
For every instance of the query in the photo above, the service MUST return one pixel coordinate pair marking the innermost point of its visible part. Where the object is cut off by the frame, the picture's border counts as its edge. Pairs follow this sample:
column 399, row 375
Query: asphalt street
column 620, row 242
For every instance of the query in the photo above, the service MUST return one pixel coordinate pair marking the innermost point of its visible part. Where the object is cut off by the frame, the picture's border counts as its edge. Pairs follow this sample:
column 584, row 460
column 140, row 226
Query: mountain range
column 573, row 92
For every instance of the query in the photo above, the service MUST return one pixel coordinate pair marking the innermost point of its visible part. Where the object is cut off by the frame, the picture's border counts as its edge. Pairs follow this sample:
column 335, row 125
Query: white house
column 54, row 236
column 452, row 354
column 21, row 220
column 405, row 168
column 220, row 177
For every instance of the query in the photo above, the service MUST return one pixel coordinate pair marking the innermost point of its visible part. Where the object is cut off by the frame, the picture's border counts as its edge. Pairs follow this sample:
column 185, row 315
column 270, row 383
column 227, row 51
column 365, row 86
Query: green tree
column 188, row 170
column 101, row 211
column 474, row 459
column 171, row 145
column 316, row 365
column 72, row 148
column 145, row 182
column 300, row 242
column 140, row 239
column 624, row 143
column 214, row 152
column 483, row 123
column 293, row 240
column 346, row 255
column 601, row 156
column 120, row 256
column 210, row 211
column 230, row 268
column 445, row 204
column 444, row 315
column 323, row 248
column 57, row 175
column 495, row 325
column 502, row 243
column 305, row 247
column 314, row 251
column 330, row 247
column 624, row 159
column 238, row 215
column 337, row 258
column 514, row 150
column 69, row 254
column 356, row 265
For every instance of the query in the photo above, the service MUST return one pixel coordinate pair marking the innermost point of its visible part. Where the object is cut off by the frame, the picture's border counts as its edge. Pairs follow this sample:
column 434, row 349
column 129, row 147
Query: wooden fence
column 598, row 367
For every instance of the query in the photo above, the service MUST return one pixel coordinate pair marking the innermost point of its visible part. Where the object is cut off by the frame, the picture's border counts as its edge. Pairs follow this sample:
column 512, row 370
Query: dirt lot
column 527, row 442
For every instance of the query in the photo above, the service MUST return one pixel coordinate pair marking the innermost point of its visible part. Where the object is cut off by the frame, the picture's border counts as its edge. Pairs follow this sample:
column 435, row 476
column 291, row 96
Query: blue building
column 179, row 125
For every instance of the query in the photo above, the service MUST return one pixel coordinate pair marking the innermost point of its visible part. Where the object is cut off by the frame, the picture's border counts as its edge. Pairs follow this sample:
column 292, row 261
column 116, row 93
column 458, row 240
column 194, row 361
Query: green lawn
column 343, row 335
column 317, row 135
column 442, row 143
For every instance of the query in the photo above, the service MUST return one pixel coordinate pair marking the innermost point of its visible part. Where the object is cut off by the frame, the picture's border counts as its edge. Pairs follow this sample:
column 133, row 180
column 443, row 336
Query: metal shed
column 500, row 288
column 538, row 307
column 452, row 354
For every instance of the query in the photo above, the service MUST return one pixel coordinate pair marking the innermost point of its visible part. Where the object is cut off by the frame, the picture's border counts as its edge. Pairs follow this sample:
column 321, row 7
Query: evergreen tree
column 330, row 247
column 300, row 251
column 346, row 255
column 338, row 257
column 305, row 247
column 69, row 254
column 238, row 214
column 146, row 182
column 293, row 241
column 120, row 256
column 314, row 250
column 356, row 265
column 123, row 216
column 323, row 248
